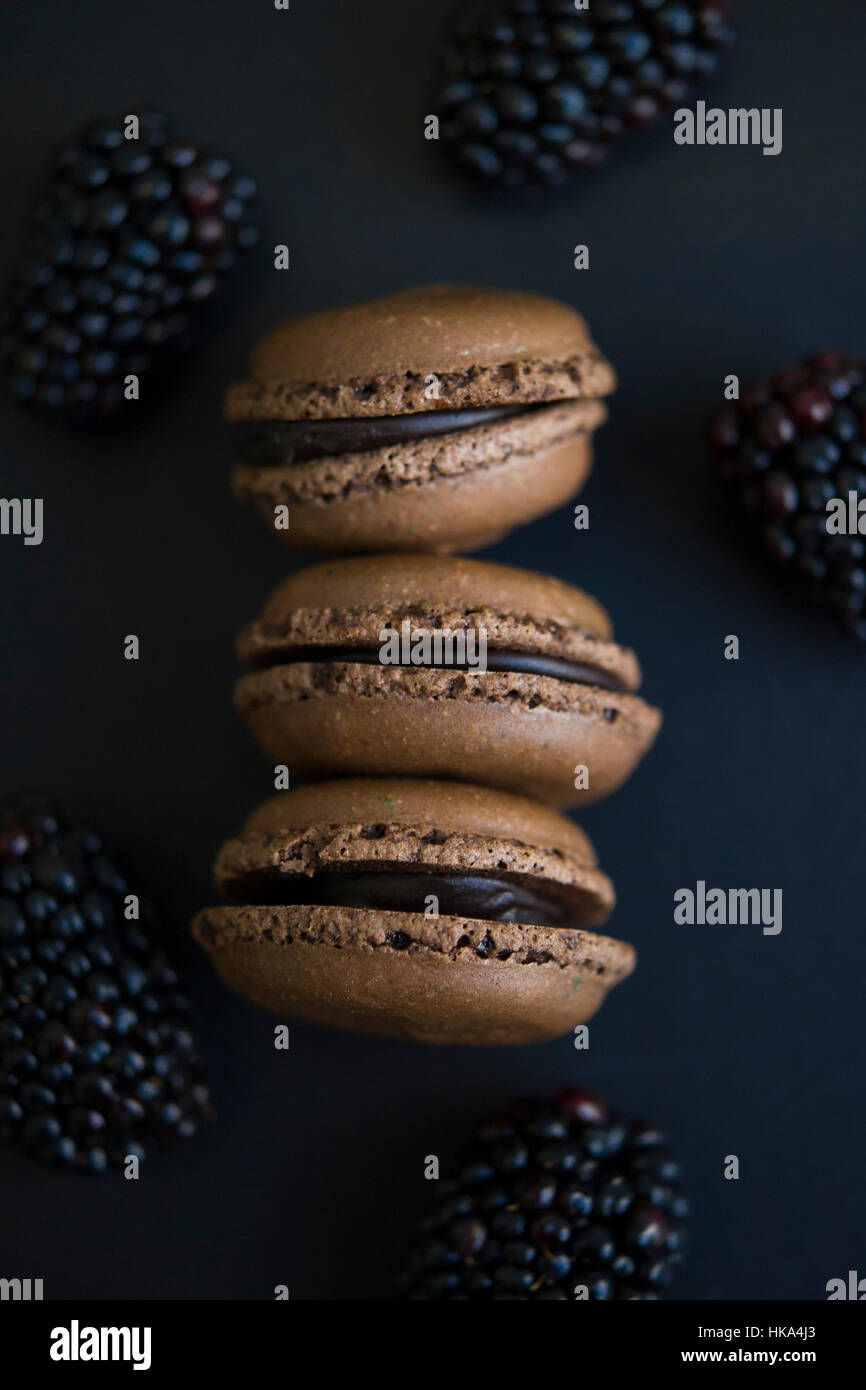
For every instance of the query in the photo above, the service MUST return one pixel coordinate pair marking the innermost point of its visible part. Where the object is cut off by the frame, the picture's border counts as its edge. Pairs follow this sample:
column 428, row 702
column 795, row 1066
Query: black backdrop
column 703, row 262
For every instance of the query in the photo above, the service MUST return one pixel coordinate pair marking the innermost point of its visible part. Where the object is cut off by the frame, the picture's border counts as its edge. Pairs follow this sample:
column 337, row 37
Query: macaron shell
column 336, row 967
column 524, row 733
column 459, row 491
column 426, row 810
column 420, row 586
column 483, row 346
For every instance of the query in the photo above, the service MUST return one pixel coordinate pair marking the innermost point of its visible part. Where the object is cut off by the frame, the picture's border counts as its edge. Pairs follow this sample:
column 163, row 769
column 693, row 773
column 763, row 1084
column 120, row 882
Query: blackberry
column 554, row 1199
column 97, row 1056
column 128, row 239
column 534, row 91
column 794, row 443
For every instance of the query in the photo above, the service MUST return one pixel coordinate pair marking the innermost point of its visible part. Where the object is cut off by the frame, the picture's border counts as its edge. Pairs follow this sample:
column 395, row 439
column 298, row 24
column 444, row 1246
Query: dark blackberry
column 792, row 454
column 127, row 240
column 96, row 1055
column 552, row 1198
column 534, row 91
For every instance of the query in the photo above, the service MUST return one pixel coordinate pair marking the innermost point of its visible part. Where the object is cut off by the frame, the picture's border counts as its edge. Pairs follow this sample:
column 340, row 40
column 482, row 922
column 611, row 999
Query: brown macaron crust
column 557, row 695
column 435, row 419
column 332, row 920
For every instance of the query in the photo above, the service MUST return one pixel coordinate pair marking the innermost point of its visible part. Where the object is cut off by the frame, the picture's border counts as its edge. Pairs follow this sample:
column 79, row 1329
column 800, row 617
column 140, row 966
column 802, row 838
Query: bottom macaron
column 437, row 911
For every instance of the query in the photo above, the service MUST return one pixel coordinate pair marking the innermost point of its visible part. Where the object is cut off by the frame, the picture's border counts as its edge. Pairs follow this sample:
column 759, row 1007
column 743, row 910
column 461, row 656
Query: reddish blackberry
column 534, row 91
column 96, row 1053
column 554, row 1200
column 128, row 239
column 792, row 454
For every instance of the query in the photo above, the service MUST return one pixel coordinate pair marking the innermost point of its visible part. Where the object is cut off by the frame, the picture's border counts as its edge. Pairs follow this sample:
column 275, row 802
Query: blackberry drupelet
column 791, row 444
column 128, row 240
column 534, row 91
column 97, row 1057
column 555, row 1199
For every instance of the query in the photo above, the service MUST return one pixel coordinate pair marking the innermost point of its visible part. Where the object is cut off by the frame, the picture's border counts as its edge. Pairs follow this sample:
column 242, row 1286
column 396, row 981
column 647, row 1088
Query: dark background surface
column 703, row 262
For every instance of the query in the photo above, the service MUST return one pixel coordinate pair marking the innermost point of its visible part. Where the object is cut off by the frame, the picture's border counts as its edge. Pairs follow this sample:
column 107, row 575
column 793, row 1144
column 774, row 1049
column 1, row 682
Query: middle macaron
column 441, row 667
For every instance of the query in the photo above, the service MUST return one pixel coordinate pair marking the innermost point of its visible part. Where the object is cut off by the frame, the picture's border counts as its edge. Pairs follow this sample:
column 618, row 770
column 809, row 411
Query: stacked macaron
column 339, row 684
column 435, row 419
column 410, row 886
column 329, row 887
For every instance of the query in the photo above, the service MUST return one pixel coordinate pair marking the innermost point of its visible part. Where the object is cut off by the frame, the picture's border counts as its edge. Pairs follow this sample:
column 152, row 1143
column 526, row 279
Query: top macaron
column 435, row 419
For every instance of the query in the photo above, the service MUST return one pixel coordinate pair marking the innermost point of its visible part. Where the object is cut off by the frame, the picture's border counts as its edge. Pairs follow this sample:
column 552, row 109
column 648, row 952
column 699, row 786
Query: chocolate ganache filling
column 490, row 897
column 300, row 441
column 561, row 668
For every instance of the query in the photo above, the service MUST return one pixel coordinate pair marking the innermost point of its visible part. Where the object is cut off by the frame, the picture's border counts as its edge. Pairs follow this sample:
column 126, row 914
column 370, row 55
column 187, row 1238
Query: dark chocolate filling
column 491, row 897
column 530, row 663
column 299, row 441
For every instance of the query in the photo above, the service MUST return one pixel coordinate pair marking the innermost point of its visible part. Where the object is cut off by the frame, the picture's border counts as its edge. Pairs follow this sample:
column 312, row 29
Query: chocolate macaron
column 437, row 666
column 435, row 419
column 430, row 910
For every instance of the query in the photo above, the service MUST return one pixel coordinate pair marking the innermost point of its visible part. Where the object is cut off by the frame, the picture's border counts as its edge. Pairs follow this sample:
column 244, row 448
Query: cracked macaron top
column 431, row 910
column 532, row 623
column 435, row 418
column 485, row 347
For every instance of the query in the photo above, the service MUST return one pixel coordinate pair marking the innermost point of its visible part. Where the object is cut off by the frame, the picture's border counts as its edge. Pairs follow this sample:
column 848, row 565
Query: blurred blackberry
column 554, row 1200
column 97, row 1057
column 791, row 444
column 128, row 240
column 533, row 91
